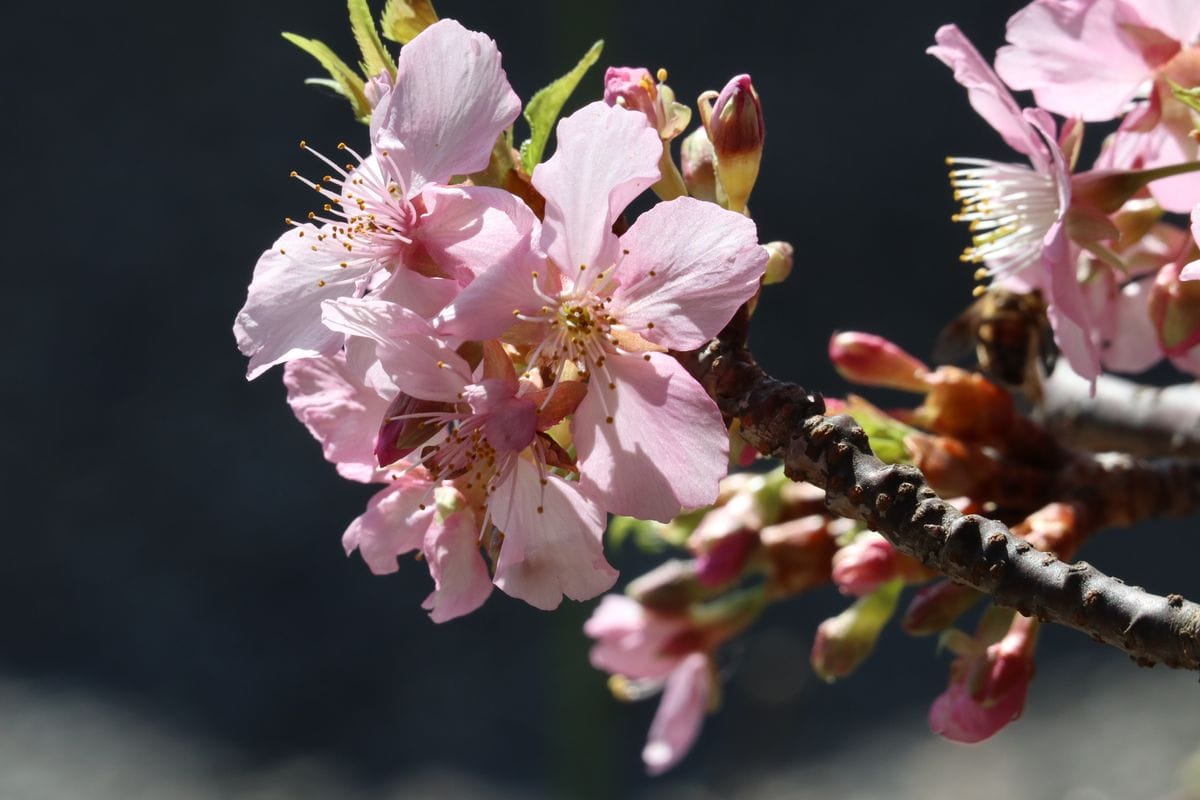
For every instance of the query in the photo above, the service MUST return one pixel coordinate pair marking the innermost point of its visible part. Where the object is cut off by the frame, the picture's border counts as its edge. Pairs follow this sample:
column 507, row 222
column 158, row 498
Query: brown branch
column 1124, row 416
column 787, row 422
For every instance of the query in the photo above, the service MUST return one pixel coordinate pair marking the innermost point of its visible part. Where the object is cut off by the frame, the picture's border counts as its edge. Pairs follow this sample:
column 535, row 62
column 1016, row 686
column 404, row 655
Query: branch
column 1124, row 416
column 787, row 422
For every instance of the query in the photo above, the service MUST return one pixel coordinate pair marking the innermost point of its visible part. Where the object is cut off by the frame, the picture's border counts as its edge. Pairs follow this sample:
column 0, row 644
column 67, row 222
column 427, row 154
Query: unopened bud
column 936, row 607
column 671, row 587
column 987, row 692
column 798, row 553
column 862, row 566
column 781, row 256
column 965, row 405
column 843, row 642
column 727, row 558
column 871, row 360
column 736, row 130
column 699, row 165
column 1175, row 310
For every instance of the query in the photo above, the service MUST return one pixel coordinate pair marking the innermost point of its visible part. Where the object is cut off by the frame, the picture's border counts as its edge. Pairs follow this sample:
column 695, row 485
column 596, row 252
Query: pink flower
column 636, row 89
column 1089, row 58
column 657, row 652
column 404, row 517
column 987, row 689
column 1092, row 58
column 649, row 439
column 390, row 227
column 864, row 565
column 488, row 438
column 1018, row 211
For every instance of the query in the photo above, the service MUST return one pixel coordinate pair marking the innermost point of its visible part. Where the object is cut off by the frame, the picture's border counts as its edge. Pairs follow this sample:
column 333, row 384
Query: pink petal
column 1191, row 271
column 688, row 268
column 450, row 102
column 985, row 91
column 1178, row 19
column 1076, row 57
column 423, row 295
column 551, row 552
column 393, row 524
column 467, row 229
column 665, row 448
column 281, row 319
column 1066, row 307
column 606, row 156
column 630, row 639
column 486, row 235
column 680, row 714
column 1133, row 346
column 339, row 411
column 460, row 575
column 419, row 363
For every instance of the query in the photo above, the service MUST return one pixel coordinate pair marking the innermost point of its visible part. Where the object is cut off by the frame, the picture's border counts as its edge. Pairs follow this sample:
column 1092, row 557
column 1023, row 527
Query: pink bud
column 936, row 607
column 736, row 130
column 862, row 566
column 727, row 558
column 871, row 360
column 1175, row 310
column 987, row 692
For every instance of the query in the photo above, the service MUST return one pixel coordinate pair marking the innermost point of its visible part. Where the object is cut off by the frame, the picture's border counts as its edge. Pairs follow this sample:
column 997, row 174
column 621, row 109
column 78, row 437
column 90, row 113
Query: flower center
column 1009, row 208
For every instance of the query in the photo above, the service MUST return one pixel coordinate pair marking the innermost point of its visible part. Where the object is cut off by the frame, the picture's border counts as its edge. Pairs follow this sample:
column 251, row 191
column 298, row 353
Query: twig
column 787, row 422
column 1124, row 416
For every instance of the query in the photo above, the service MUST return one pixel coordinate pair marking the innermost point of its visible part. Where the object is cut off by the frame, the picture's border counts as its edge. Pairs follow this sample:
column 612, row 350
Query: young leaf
column 375, row 56
column 545, row 106
column 402, row 20
column 351, row 85
column 1189, row 97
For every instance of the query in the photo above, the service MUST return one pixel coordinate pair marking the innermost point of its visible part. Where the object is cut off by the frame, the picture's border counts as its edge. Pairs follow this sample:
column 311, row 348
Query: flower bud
column 987, row 692
column 727, row 558
column 799, row 553
column 699, row 165
column 965, row 405
column 669, row 588
column 735, row 128
column 781, row 256
column 936, row 607
column 1175, row 310
column 862, row 566
column 843, row 642
column 1052, row 529
column 871, row 360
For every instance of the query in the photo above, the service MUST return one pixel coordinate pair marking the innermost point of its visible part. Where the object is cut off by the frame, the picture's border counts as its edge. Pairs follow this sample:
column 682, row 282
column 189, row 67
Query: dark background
column 172, row 534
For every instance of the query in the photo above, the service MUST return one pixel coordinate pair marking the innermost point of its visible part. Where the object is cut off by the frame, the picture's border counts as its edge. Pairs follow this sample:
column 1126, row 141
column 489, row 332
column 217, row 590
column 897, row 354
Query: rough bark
column 787, row 422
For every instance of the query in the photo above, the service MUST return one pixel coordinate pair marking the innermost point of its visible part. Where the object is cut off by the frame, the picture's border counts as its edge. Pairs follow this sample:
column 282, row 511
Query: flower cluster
column 1092, row 242
column 504, row 374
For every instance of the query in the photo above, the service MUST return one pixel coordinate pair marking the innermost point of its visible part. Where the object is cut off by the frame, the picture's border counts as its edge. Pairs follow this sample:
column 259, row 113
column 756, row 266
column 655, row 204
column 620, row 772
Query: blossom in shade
column 647, row 652
column 389, row 226
column 987, row 687
column 1098, row 59
column 606, row 308
column 488, row 438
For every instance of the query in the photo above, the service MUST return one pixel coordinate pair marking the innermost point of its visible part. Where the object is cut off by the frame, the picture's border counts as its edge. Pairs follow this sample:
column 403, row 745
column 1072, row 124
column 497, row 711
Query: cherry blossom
column 390, row 226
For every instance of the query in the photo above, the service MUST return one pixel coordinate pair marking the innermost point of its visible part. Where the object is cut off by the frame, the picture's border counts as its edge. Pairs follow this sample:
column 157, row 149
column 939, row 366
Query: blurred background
column 177, row 619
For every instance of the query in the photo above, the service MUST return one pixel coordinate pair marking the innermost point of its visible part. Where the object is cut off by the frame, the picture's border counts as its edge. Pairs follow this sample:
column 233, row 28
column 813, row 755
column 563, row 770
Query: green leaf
column 350, row 84
column 543, row 109
column 375, row 56
column 402, row 20
column 1189, row 97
